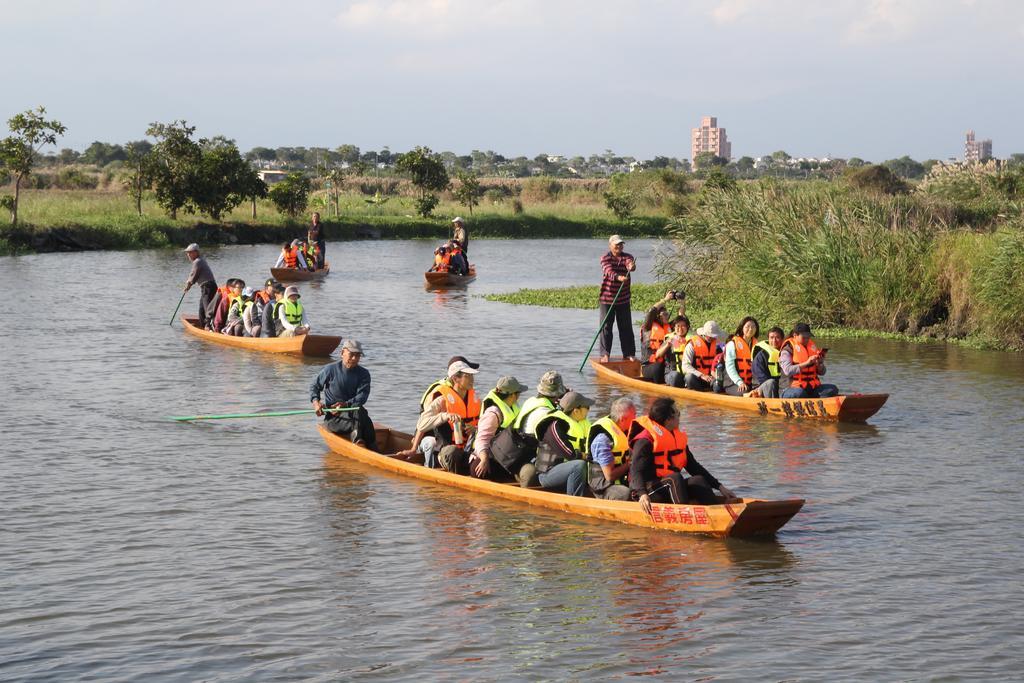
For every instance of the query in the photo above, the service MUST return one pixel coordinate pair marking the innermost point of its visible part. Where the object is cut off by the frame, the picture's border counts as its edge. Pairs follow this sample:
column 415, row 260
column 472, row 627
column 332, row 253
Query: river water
column 135, row 548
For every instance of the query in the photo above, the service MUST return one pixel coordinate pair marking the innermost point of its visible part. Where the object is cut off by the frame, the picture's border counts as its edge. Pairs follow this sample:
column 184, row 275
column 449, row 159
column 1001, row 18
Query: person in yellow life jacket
column 561, row 456
column 801, row 364
column 448, row 419
column 311, row 253
column 659, row 454
column 655, row 328
column 550, row 389
column 608, row 451
column 739, row 358
column 766, row 365
column 671, row 351
column 498, row 413
column 698, row 358
column 234, row 291
column 291, row 321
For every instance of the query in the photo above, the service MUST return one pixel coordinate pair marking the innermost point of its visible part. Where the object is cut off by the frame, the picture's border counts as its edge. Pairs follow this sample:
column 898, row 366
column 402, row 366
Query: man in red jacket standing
column 616, row 265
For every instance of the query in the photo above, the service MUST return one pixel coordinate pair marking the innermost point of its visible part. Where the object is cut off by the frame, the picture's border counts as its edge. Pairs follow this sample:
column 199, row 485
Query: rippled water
column 134, row 548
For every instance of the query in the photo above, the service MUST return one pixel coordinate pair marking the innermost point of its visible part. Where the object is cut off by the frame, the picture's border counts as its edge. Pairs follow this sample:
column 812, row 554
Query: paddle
column 600, row 327
column 175, row 314
column 239, row 416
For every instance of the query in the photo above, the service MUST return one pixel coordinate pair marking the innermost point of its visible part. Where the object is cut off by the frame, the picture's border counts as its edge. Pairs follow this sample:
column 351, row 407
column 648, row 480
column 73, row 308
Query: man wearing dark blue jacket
column 346, row 384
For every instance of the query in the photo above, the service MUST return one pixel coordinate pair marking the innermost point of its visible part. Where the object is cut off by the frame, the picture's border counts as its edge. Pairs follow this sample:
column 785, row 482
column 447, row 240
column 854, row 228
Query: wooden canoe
column 320, row 345
column 299, row 275
column 749, row 517
column 848, row 408
column 436, row 280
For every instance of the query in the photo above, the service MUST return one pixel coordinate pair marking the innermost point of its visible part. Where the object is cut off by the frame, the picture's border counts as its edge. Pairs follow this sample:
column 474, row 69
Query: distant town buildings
column 976, row 150
column 709, row 138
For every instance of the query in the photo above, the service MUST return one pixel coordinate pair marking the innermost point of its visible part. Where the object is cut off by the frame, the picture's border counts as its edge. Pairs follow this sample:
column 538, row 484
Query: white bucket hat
column 711, row 329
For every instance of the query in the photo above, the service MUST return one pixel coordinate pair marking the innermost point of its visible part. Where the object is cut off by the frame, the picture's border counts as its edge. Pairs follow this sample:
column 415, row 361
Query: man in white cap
column 451, row 417
column 292, row 316
column 200, row 275
column 698, row 359
column 459, row 235
column 346, row 384
column 616, row 265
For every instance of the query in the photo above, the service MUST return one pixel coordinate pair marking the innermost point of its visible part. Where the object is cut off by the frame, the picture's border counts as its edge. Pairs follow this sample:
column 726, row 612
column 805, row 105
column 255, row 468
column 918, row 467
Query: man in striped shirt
column 616, row 265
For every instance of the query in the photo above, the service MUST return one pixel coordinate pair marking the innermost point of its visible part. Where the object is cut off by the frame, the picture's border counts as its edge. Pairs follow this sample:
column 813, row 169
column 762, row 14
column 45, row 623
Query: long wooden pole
column 239, row 416
column 611, row 309
column 175, row 314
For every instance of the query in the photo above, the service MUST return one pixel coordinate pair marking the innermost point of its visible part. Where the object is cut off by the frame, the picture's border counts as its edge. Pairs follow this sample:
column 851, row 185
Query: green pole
column 173, row 315
column 601, row 326
column 239, row 416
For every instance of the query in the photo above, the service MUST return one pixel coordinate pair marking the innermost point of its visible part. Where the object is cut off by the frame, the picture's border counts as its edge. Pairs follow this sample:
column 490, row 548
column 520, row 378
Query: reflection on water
column 138, row 549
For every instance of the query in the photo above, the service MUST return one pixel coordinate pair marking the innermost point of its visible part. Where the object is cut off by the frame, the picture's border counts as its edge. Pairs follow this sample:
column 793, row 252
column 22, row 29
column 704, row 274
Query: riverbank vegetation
column 942, row 260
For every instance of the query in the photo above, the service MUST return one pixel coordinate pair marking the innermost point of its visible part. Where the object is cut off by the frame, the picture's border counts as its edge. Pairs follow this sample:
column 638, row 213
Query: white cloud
column 887, row 19
column 728, row 11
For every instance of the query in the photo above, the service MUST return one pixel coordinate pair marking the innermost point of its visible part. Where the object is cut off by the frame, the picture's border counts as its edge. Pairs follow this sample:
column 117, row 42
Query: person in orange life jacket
column 223, row 292
column 291, row 318
column 346, row 384
column 608, row 451
column 493, row 419
column 450, row 418
column 458, row 264
column 766, row 365
column 698, row 358
column 235, row 325
column 655, row 328
column 220, row 318
column 271, row 311
column 614, row 297
column 442, row 260
column 291, row 256
column 264, row 295
column 659, row 455
column 801, row 364
column 200, row 275
column 671, row 351
column 739, row 359
column 564, row 435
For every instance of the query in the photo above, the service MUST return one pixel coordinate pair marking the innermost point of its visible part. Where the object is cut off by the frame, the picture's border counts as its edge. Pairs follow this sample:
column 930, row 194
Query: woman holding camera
column 652, row 335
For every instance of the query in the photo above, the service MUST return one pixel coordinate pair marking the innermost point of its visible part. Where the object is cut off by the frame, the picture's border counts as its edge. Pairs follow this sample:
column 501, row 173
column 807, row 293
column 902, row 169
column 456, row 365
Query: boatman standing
column 460, row 237
column 200, row 275
column 346, row 384
column 616, row 265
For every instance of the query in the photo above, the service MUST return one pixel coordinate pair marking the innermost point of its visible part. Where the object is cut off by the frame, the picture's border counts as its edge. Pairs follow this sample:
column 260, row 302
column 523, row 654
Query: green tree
column 334, row 180
column 905, row 167
column 140, row 176
column 718, row 179
column 427, row 173
column 349, row 153
column 291, row 195
column 18, row 152
column 176, row 157
column 469, row 192
column 221, row 180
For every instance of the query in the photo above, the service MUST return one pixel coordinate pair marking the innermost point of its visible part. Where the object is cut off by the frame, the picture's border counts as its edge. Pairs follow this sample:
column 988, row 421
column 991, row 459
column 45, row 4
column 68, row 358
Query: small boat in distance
column 318, row 345
column 440, row 279
column 299, row 275
column 842, row 408
column 746, row 517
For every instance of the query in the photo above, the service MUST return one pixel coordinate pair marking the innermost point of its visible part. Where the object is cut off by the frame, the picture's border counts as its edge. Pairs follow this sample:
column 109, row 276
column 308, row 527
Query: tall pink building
column 709, row 138
column 976, row 150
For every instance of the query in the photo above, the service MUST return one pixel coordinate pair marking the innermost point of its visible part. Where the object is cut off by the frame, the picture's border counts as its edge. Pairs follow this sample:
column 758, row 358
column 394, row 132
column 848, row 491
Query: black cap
column 802, row 328
column 278, row 287
column 453, row 359
column 270, row 281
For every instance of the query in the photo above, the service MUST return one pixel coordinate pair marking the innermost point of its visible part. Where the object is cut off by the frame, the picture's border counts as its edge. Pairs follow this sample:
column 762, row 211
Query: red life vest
column 807, row 378
column 468, row 410
column 669, row 447
column 291, row 258
column 703, row 354
column 656, row 339
column 744, row 359
column 262, row 296
column 442, row 262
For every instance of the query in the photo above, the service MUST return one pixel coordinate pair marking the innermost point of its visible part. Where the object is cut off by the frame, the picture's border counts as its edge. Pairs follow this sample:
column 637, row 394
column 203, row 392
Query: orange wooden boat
column 307, row 345
column 843, row 408
column 748, row 517
column 440, row 280
column 299, row 275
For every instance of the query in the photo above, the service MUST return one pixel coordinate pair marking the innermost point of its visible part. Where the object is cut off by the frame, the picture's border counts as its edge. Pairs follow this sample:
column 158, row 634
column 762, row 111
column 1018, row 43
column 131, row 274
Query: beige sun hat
column 711, row 329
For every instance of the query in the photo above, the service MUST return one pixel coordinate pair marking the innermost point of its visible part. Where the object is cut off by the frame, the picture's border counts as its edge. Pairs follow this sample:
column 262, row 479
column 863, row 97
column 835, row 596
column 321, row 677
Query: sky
column 876, row 79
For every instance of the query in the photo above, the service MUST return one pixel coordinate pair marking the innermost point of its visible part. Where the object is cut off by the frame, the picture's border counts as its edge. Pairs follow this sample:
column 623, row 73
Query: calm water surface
column 134, row 548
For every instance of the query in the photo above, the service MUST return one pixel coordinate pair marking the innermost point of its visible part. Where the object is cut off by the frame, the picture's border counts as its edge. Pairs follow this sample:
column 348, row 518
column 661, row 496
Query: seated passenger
column 655, row 328
column 608, row 451
column 251, row 315
column 671, row 352
column 442, row 260
column 561, row 464
column 271, row 312
column 449, row 419
column 499, row 412
column 346, row 384
column 699, row 357
column 660, row 454
column 311, row 254
column 291, row 256
column 291, row 321
column 801, row 363
column 549, row 389
column 739, row 361
column 220, row 317
column 265, row 295
column 235, row 326
column 223, row 292
column 766, row 365
column 457, row 264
